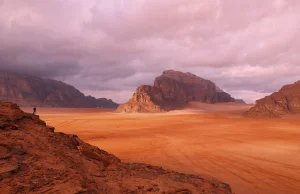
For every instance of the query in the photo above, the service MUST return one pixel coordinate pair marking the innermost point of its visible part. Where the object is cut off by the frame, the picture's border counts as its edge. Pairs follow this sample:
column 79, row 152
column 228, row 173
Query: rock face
column 146, row 99
column 183, row 87
column 172, row 90
column 35, row 159
column 285, row 101
column 149, row 99
column 34, row 91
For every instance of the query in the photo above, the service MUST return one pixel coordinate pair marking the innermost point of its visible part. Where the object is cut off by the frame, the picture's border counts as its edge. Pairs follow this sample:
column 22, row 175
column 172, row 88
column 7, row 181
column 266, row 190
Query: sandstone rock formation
column 35, row 159
column 172, row 90
column 183, row 87
column 34, row 91
column 146, row 99
column 285, row 101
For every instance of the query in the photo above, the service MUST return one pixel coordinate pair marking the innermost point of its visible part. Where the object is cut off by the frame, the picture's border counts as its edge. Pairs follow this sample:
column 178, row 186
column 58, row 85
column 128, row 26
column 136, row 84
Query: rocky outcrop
column 149, row 99
column 285, row 101
column 146, row 99
column 173, row 90
column 35, row 159
column 34, row 91
column 183, row 87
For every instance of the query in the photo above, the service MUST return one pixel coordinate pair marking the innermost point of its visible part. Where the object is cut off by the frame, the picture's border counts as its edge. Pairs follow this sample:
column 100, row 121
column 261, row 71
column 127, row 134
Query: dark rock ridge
column 240, row 101
column 35, row 159
column 285, row 101
column 35, row 91
column 172, row 90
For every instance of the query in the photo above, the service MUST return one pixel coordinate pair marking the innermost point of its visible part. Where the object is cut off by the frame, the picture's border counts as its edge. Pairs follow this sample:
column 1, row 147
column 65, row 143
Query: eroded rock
column 173, row 90
column 285, row 101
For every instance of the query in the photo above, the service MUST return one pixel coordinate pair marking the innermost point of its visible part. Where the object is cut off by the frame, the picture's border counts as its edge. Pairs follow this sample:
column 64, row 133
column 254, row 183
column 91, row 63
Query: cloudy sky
column 107, row 48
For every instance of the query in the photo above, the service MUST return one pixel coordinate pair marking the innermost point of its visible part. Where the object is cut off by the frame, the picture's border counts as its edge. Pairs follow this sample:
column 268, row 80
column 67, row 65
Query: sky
column 107, row 48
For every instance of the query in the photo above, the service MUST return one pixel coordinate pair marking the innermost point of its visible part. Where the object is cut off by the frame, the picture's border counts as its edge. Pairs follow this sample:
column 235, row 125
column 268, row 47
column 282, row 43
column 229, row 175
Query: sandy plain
column 254, row 156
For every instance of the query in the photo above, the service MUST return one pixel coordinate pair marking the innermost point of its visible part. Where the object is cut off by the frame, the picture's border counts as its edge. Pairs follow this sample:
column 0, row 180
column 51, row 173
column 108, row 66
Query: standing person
column 34, row 110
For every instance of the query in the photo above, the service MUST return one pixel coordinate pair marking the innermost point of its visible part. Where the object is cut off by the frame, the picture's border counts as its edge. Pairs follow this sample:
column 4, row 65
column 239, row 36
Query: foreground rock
column 34, row 159
column 34, row 91
column 285, row 101
column 173, row 90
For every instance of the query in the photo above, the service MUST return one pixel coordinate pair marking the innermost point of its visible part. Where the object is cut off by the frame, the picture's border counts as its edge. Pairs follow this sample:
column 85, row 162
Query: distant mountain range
column 34, row 91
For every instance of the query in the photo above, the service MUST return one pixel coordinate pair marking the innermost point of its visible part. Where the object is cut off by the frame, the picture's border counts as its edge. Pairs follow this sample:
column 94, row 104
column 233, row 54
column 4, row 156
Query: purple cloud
column 250, row 48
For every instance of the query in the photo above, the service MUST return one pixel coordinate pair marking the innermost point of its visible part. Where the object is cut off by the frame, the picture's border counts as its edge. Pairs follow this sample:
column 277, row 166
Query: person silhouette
column 34, row 110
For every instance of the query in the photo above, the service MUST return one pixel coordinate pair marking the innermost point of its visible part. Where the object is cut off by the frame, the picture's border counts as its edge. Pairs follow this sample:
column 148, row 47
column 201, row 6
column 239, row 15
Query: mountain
column 172, row 90
column 35, row 159
column 35, row 91
column 285, row 101
column 183, row 87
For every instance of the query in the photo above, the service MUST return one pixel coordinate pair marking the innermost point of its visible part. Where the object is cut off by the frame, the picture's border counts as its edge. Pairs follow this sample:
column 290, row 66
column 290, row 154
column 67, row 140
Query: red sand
column 255, row 156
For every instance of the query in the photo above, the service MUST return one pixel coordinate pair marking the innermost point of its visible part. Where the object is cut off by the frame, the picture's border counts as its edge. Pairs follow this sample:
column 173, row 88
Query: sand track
column 253, row 156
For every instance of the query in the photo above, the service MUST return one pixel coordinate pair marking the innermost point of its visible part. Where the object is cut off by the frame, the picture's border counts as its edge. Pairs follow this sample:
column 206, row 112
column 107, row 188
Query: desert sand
column 254, row 156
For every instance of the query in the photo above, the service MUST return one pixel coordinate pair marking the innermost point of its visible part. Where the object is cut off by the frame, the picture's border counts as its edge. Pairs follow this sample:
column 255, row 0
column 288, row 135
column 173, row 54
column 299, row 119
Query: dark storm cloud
column 109, row 47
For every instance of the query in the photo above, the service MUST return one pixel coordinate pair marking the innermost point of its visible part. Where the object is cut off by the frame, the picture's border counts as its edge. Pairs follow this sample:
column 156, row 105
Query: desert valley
column 149, row 97
column 189, row 125
column 253, row 156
